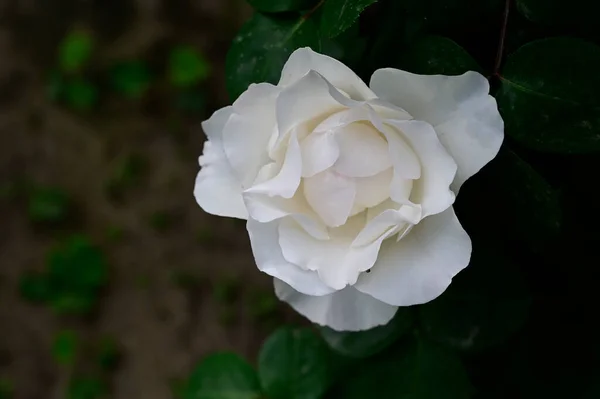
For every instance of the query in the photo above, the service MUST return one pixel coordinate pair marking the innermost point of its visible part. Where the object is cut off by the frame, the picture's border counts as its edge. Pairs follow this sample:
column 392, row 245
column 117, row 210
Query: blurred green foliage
column 75, row 273
column 187, row 67
column 75, row 51
column 48, row 205
column 65, row 347
column 83, row 387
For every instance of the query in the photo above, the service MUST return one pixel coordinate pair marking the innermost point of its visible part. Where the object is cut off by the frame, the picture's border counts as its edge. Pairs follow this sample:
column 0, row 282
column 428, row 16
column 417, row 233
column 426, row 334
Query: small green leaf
column 48, row 205
column 132, row 78
column 339, row 15
column 81, row 94
column 419, row 369
column 484, row 306
column 35, row 287
column 187, row 67
column 262, row 47
column 549, row 96
column 87, row 388
column 370, row 342
column 75, row 50
column 223, row 376
column 282, row 5
column 433, row 55
column 293, row 364
column 65, row 347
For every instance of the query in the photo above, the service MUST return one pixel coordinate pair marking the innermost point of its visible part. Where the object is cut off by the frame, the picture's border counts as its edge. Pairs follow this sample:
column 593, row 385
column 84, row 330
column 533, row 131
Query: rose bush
column 348, row 189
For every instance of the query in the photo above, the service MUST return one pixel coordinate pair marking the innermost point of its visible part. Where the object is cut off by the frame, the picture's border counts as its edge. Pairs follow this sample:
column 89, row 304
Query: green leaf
column 282, row 5
column 577, row 15
column 65, row 347
column 35, row 287
column 339, row 15
column 293, row 364
column 131, row 79
column 77, row 265
column 223, row 376
column 420, row 369
column 87, row 388
column 549, row 96
column 80, row 94
column 55, row 86
column 262, row 47
column 187, row 67
column 73, row 303
column 432, row 55
column 526, row 207
column 74, row 51
column 370, row 342
column 48, row 205
column 444, row 15
column 484, row 306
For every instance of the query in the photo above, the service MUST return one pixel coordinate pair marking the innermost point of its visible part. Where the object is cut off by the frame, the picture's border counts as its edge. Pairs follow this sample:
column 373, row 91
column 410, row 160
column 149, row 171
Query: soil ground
column 160, row 305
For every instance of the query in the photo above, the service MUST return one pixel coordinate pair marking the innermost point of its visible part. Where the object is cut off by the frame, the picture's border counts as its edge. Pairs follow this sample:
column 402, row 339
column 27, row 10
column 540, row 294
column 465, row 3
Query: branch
column 500, row 52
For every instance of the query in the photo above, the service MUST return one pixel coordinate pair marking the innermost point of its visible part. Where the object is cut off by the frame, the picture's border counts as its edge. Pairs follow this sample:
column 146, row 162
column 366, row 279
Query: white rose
column 348, row 190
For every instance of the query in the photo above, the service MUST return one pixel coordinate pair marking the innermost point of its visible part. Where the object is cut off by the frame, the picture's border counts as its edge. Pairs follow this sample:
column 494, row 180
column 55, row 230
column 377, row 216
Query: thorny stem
column 500, row 52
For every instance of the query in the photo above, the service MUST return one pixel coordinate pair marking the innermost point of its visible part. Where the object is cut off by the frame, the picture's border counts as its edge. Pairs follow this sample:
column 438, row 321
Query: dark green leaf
column 282, row 5
column 80, row 94
column 549, row 97
column 525, row 206
column 432, row 55
column 262, row 47
column 420, row 370
column 485, row 304
column 339, row 15
column 48, row 205
column 187, row 67
column 55, row 85
column 368, row 343
column 223, row 376
column 576, row 15
column 65, row 347
column 293, row 364
column 87, row 388
column 75, row 51
column 442, row 15
column 35, row 287
column 131, row 79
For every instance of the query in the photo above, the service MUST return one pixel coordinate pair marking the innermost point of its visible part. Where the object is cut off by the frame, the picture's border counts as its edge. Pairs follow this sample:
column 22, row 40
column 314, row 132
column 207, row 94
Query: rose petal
column 432, row 190
column 460, row 109
column 269, row 259
column 363, row 152
column 304, row 59
column 331, row 196
column 213, row 127
column 372, row 191
column 336, row 261
column 420, row 267
column 217, row 190
column 247, row 132
column 345, row 310
column 308, row 100
column 287, row 181
column 319, row 152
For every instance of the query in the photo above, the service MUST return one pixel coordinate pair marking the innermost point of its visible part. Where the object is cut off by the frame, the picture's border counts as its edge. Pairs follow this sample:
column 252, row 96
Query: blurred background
column 113, row 282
